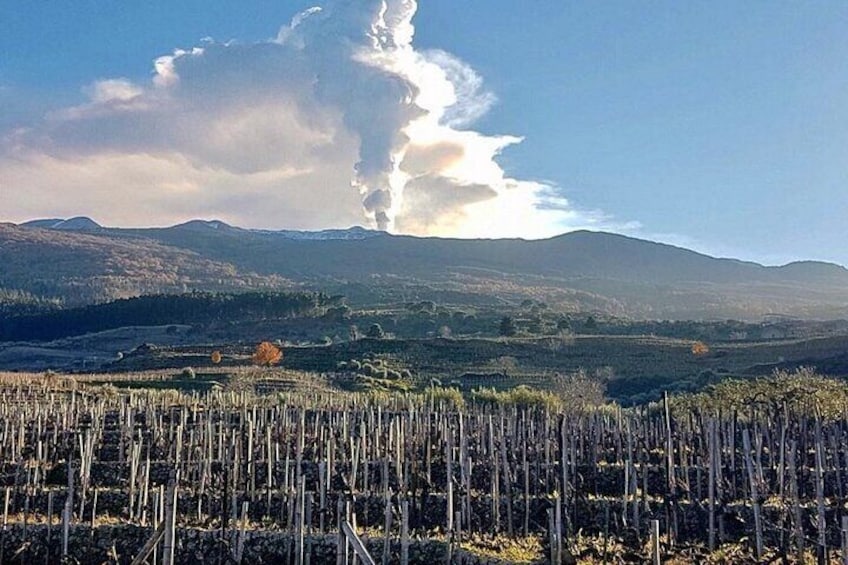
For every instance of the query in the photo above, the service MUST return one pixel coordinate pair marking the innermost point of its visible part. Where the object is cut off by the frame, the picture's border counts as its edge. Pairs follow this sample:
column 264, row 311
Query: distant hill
column 578, row 271
column 84, row 224
column 82, row 267
column 80, row 223
column 355, row 233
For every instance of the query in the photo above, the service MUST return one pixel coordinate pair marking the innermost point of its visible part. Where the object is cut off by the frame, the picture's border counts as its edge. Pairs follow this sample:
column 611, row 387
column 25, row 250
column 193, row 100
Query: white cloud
column 468, row 99
column 112, row 90
column 338, row 120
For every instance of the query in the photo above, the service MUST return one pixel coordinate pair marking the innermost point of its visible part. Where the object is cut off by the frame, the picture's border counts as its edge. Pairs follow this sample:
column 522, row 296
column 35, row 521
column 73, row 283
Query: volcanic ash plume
column 374, row 44
column 406, row 107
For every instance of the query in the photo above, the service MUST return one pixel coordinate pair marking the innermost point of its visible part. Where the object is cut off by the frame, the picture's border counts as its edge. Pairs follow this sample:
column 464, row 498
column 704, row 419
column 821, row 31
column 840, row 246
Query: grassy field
column 634, row 369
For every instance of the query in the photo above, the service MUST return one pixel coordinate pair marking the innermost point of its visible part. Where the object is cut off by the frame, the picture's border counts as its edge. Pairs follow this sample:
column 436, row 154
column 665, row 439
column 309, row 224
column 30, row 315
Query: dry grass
column 519, row 551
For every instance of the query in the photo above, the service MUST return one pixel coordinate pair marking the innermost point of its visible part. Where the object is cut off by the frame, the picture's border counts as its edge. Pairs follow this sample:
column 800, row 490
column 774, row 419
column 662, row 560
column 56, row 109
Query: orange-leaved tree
column 267, row 354
column 216, row 357
column 700, row 348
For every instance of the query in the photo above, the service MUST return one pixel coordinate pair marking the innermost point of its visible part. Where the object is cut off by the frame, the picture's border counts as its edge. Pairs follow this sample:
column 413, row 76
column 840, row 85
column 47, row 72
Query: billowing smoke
column 338, row 120
column 377, row 98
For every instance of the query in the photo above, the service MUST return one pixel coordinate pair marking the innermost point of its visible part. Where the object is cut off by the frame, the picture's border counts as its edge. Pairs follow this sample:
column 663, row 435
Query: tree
column 338, row 313
column 699, row 349
column 375, row 332
column 579, row 390
column 507, row 327
column 590, row 325
column 267, row 354
column 536, row 325
column 215, row 357
column 505, row 364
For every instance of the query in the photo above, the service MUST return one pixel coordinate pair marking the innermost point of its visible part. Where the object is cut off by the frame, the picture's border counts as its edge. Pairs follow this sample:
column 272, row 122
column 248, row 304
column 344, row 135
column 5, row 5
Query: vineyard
column 99, row 474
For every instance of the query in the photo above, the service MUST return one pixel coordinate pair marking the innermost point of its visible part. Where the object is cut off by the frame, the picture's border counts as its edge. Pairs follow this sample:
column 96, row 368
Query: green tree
column 507, row 327
column 375, row 332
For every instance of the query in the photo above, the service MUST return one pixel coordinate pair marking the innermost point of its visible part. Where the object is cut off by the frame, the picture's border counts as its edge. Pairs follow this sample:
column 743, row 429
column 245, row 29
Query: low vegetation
column 801, row 393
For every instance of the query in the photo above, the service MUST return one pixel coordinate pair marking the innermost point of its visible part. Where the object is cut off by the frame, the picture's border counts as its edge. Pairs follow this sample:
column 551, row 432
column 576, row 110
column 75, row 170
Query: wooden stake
column 170, row 535
column 655, row 542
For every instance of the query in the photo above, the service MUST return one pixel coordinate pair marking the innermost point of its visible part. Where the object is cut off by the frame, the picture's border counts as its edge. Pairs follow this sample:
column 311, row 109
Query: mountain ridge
column 580, row 270
column 77, row 223
column 84, row 223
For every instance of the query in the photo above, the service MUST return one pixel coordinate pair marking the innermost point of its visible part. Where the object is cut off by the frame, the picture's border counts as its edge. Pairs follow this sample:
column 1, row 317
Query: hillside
column 579, row 271
column 81, row 268
column 634, row 369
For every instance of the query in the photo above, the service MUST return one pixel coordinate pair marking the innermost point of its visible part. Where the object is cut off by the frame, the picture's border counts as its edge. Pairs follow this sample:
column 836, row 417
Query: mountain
column 578, row 271
column 80, row 223
column 84, row 224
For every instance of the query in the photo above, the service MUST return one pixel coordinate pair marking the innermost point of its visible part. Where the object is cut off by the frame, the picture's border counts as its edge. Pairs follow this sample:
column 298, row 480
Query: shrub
column 448, row 396
column 521, row 396
column 802, row 392
column 367, row 383
column 375, row 332
column 524, row 396
column 507, row 327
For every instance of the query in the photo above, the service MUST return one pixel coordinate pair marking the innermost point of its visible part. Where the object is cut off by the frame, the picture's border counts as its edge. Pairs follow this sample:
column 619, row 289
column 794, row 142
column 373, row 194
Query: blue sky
column 722, row 126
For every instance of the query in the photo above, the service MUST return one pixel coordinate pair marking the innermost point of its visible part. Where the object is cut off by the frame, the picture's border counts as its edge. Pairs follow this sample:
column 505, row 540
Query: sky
column 719, row 126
